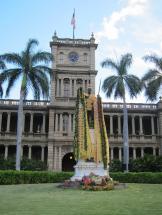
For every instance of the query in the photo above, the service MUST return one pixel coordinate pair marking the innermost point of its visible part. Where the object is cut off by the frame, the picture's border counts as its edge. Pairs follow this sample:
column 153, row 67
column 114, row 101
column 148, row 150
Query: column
column 154, row 151
column 142, row 152
column 70, row 87
column 62, row 88
column 133, row 126
column 51, row 123
column 44, row 123
column 111, row 125
column 55, row 158
column 50, row 156
column 42, row 154
column 75, row 88
column 29, row 152
column 8, row 121
column 134, row 153
column 56, row 122
column 60, row 158
column 69, row 123
column 119, row 125
column 57, row 88
column 120, row 153
column 0, row 121
column 152, row 125
column 23, row 129
column 141, row 127
column 61, row 123
column 112, row 153
column 6, row 152
column 31, row 122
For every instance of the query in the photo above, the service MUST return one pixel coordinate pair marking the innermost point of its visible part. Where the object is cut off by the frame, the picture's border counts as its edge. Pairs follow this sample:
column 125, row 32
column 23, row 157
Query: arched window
column 61, row 57
column 79, row 83
column 65, row 122
column 66, row 87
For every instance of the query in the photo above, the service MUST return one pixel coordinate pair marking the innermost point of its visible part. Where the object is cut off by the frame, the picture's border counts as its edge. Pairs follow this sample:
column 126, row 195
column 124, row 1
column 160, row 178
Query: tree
column 33, row 70
column 118, row 85
column 2, row 66
column 153, row 78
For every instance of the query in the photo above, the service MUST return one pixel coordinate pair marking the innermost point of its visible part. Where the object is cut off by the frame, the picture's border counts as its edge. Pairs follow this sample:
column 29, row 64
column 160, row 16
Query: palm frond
column 153, row 88
column 12, row 76
column 12, row 58
column 42, row 82
column 154, row 59
column 44, row 57
column 119, row 89
column 30, row 45
column 109, row 85
column 43, row 68
column 125, row 63
column 110, row 63
column 1, row 90
column 151, row 75
column 133, row 84
column 2, row 65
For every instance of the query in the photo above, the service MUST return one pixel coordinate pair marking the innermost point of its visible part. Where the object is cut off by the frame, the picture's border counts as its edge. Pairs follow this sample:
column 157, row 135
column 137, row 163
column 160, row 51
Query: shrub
column 140, row 177
column 148, row 163
column 115, row 166
column 32, row 177
column 26, row 164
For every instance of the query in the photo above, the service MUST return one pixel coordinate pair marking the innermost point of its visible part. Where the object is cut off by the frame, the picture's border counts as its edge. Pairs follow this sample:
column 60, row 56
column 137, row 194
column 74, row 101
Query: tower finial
column 92, row 39
column 54, row 36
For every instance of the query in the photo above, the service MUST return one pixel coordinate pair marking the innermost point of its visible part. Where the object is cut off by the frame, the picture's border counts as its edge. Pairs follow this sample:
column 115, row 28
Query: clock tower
column 73, row 67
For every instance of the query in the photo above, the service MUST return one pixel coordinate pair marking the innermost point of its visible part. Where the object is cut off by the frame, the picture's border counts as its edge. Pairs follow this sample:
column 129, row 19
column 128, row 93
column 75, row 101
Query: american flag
column 73, row 20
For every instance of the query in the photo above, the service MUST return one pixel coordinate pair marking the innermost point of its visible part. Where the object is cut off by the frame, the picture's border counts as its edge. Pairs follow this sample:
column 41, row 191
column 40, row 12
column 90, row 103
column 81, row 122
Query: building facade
column 48, row 126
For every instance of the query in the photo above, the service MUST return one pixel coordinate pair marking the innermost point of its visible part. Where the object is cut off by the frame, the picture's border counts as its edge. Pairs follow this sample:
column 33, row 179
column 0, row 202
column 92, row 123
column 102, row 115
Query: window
column 61, row 57
column 72, row 87
column 65, row 122
column 66, row 87
column 79, row 83
column 85, row 57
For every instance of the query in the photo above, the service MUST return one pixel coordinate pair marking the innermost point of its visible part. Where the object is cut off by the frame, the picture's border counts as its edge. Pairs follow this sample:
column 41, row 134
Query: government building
column 48, row 126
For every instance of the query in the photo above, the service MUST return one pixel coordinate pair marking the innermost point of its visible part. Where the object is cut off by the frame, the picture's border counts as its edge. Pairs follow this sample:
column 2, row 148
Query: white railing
column 26, row 103
column 129, row 106
column 71, row 41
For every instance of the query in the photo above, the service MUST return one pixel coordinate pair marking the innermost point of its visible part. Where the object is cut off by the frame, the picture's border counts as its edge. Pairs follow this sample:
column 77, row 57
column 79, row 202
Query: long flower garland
column 83, row 146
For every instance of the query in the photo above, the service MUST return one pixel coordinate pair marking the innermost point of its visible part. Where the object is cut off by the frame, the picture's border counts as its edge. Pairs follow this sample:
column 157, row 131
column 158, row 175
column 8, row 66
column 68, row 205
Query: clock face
column 73, row 57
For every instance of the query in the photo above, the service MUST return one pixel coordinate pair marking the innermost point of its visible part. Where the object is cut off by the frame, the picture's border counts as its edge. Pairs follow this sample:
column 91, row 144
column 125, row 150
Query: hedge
column 35, row 177
column 32, row 177
column 26, row 164
column 140, row 177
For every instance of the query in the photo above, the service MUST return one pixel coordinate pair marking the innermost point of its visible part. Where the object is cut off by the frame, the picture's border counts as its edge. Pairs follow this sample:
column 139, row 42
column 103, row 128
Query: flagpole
column 73, row 33
column 73, row 23
column 74, row 26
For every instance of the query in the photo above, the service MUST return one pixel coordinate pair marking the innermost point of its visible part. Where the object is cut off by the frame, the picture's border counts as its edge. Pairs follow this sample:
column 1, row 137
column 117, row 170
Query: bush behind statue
column 148, row 163
column 26, row 164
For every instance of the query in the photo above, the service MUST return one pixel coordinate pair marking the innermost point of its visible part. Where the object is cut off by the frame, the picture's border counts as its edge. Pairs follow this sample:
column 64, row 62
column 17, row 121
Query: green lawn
column 45, row 199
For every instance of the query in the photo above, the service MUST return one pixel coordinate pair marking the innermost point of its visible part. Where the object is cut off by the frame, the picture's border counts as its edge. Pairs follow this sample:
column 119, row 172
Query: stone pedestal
column 83, row 168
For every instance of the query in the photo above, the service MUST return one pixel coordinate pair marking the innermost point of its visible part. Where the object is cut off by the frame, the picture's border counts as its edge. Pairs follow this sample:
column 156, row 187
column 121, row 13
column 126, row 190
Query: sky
column 119, row 26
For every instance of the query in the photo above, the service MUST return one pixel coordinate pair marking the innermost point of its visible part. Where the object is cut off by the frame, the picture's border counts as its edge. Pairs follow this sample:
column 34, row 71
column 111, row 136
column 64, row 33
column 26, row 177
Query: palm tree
column 153, row 78
column 33, row 75
column 118, row 85
column 2, row 66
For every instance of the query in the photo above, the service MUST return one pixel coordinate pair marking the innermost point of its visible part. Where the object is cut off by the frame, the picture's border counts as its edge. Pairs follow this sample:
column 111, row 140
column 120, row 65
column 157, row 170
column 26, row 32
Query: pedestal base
column 83, row 168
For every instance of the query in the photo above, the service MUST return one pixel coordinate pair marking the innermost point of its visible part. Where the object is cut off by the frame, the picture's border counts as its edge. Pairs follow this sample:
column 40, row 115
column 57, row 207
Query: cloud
column 112, row 25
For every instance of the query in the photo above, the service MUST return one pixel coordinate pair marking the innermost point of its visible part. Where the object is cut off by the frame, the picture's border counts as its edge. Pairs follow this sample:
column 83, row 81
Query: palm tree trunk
column 19, row 130
column 125, row 136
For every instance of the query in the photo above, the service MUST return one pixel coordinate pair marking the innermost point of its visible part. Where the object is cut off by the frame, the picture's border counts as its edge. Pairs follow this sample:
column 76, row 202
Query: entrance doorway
column 68, row 162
